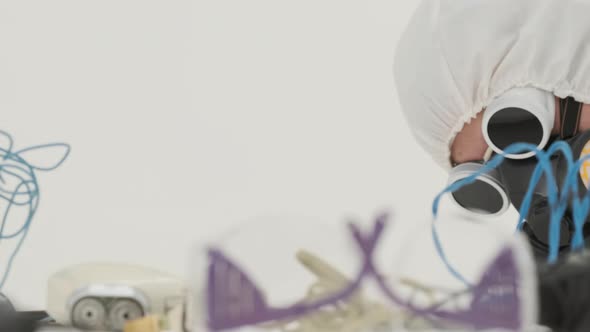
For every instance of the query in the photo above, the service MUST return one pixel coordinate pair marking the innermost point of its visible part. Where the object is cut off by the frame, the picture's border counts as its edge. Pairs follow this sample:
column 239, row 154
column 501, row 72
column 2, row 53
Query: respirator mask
column 524, row 115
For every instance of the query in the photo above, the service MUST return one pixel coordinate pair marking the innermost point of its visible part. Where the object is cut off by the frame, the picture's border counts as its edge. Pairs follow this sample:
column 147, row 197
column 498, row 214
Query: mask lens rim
column 492, row 135
column 466, row 170
column 538, row 103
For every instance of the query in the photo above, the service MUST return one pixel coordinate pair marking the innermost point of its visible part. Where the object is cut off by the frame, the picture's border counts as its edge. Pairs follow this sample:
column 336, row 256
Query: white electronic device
column 103, row 296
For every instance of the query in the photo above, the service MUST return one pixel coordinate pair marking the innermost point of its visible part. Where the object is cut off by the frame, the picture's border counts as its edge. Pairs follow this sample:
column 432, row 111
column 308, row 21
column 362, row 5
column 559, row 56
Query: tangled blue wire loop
column 557, row 199
column 19, row 190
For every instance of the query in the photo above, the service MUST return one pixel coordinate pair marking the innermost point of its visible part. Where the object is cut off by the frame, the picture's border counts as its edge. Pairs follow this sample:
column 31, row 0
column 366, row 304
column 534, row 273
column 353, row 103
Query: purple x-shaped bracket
column 233, row 300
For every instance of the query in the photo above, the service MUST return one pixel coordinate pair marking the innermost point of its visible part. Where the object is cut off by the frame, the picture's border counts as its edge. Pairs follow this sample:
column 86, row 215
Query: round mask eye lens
column 480, row 197
column 514, row 125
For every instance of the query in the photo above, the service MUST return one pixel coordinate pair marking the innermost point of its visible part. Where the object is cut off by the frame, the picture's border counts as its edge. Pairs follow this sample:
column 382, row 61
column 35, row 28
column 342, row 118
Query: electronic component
column 105, row 296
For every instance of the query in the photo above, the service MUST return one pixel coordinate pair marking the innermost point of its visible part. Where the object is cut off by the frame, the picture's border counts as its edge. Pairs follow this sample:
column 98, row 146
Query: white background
column 189, row 117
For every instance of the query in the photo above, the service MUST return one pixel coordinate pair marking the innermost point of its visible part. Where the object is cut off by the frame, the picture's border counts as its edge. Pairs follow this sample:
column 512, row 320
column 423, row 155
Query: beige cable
column 355, row 314
column 488, row 154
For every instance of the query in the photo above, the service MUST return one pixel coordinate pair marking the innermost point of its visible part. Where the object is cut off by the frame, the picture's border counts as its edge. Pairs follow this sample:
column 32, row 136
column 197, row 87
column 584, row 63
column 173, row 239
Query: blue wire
column 543, row 167
column 558, row 199
column 19, row 187
column 581, row 207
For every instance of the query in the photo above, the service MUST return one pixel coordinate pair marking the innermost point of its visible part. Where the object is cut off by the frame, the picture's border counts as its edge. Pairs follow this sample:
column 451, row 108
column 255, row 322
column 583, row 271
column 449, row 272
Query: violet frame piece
column 233, row 300
column 496, row 300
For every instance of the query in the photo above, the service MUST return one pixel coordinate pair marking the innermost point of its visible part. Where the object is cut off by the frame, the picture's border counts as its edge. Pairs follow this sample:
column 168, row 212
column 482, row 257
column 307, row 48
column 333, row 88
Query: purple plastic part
column 496, row 297
column 234, row 301
column 226, row 310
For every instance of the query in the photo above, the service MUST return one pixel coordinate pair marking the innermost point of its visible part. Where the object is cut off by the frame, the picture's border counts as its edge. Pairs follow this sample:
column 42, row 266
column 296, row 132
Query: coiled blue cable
column 19, row 188
column 558, row 200
column 581, row 206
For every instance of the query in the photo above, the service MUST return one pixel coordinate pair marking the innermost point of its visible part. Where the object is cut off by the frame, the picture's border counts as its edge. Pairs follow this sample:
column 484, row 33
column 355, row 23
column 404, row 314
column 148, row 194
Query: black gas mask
column 524, row 115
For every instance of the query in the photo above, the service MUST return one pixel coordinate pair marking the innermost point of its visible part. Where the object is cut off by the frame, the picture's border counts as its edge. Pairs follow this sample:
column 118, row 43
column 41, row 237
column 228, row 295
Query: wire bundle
column 557, row 199
column 19, row 190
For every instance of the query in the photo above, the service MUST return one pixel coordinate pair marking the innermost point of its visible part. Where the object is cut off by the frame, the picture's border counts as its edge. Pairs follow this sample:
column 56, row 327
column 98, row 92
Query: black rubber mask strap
column 570, row 111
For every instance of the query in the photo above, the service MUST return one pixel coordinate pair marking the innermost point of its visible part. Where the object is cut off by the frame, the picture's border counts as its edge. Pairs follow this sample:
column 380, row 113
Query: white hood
column 457, row 55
